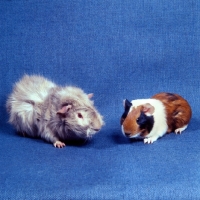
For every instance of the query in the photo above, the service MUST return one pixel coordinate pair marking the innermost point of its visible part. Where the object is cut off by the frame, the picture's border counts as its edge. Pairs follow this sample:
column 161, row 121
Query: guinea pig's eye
column 80, row 115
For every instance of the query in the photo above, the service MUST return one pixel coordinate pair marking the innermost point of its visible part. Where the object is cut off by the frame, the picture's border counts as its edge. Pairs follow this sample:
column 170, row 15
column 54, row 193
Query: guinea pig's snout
column 127, row 134
column 92, row 131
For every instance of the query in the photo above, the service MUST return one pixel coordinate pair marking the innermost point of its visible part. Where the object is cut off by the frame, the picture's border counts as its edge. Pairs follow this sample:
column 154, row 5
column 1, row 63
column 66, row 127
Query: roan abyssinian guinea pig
column 40, row 108
column 152, row 118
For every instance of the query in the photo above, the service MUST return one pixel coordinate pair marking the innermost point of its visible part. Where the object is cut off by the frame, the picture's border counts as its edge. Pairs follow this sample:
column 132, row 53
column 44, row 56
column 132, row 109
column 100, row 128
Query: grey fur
column 36, row 110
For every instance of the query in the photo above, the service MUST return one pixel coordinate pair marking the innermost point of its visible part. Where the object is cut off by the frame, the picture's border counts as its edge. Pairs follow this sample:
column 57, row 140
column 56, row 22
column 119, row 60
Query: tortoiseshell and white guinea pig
column 152, row 118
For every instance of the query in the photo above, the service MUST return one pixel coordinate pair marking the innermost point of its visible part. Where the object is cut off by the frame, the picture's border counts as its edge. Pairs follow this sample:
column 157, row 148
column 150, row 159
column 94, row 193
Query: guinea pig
column 154, row 117
column 40, row 108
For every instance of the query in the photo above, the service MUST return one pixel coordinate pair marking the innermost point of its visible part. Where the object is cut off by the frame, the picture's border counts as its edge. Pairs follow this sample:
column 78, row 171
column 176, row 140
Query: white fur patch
column 123, row 130
column 63, row 93
column 137, row 135
column 37, row 98
column 90, row 132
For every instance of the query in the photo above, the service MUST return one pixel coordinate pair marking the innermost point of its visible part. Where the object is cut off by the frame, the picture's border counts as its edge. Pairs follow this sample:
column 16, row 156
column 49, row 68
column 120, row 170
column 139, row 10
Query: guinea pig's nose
column 96, row 129
column 128, row 134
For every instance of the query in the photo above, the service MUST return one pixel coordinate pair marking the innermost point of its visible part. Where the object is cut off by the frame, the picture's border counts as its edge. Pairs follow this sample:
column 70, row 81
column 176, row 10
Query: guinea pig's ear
column 148, row 109
column 127, row 103
column 64, row 110
column 90, row 95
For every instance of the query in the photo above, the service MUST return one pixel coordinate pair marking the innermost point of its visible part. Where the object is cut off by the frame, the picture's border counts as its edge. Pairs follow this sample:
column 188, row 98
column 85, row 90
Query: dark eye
column 137, row 119
column 80, row 115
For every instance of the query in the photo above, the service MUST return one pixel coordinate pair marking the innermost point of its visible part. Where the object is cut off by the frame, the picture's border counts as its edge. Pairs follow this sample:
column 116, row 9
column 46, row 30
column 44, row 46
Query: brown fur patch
column 178, row 110
column 130, row 123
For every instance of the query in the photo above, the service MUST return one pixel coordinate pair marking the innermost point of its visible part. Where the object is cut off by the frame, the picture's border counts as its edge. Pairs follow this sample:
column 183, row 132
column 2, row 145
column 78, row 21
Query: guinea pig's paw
column 150, row 140
column 179, row 130
column 59, row 144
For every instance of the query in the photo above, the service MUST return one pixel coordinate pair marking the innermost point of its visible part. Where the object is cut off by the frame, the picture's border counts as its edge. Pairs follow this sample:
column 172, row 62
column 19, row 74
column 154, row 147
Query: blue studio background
column 116, row 49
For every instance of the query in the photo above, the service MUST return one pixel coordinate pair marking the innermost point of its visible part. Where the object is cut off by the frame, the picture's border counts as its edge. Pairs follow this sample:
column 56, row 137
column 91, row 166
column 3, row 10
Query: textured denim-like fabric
column 115, row 49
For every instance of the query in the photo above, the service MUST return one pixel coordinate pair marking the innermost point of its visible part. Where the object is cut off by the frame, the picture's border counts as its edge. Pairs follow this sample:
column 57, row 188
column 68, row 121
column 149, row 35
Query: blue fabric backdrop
column 116, row 49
